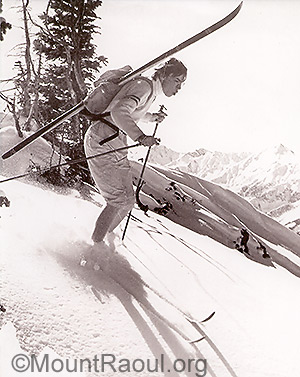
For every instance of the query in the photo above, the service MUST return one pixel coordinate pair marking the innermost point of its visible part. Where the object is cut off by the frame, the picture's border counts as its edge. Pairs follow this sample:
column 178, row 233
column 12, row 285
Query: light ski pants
column 113, row 177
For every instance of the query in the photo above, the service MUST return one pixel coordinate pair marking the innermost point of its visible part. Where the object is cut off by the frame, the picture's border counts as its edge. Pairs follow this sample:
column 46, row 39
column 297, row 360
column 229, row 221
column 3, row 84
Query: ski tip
column 8, row 154
column 197, row 340
column 192, row 320
column 235, row 11
column 238, row 8
column 209, row 317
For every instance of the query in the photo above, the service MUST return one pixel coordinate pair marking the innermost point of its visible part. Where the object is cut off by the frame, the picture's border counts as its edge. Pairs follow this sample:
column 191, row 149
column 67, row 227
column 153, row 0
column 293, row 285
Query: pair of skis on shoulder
column 80, row 106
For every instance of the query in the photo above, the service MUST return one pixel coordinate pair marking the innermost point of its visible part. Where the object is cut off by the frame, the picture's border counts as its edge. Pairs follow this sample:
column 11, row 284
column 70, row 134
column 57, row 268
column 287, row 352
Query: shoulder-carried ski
column 42, row 131
column 80, row 106
column 184, row 44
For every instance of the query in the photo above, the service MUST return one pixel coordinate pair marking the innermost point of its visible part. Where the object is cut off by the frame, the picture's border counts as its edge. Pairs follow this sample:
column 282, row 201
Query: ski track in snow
column 53, row 302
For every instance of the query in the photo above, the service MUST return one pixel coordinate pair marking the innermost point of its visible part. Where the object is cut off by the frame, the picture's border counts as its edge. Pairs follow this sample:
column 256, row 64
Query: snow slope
column 53, row 302
column 214, row 211
column 183, row 263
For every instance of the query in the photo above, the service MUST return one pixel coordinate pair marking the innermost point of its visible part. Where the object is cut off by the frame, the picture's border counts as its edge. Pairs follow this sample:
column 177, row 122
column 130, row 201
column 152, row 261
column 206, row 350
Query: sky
column 242, row 91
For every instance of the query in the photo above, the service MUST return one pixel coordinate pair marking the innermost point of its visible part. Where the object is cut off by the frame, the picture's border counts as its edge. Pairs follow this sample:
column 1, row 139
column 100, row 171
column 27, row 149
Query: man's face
column 171, row 84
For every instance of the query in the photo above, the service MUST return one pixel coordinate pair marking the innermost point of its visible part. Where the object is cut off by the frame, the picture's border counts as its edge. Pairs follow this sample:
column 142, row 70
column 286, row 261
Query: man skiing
column 111, row 172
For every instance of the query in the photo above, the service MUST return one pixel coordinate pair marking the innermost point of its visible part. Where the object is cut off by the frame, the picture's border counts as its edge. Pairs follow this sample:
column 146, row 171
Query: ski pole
column 140, row 182
column 73, row 162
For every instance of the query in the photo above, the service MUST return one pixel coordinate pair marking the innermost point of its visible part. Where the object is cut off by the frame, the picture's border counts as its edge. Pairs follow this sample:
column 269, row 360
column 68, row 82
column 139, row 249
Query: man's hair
column 172, row 67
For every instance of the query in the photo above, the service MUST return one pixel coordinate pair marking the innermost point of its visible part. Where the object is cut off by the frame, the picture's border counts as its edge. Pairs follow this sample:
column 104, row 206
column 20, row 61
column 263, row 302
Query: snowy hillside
column 136, row 308
column 183, row 263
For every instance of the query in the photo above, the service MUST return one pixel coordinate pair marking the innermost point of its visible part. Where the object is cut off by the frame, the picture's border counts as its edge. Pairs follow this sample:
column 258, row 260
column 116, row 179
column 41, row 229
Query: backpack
column 107, row 87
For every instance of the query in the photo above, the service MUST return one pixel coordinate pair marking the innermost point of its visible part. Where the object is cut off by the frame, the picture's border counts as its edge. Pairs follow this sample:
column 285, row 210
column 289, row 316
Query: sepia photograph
column 149, row 188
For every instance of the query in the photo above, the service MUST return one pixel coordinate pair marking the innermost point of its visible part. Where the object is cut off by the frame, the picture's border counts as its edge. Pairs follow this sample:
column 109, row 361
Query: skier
column 111, row 172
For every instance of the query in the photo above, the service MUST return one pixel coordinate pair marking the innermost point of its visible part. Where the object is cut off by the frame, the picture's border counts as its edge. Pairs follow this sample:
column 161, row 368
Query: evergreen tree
column 4, row 25
column 57, row 75
column 65, row 41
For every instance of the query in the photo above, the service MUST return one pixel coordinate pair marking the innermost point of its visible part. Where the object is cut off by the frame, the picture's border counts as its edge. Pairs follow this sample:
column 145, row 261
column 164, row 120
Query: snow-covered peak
column 276, row 155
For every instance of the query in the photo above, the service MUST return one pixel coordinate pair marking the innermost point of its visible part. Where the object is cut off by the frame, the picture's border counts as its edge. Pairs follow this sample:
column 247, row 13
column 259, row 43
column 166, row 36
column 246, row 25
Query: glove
column 148, row 141
column 158, row 117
